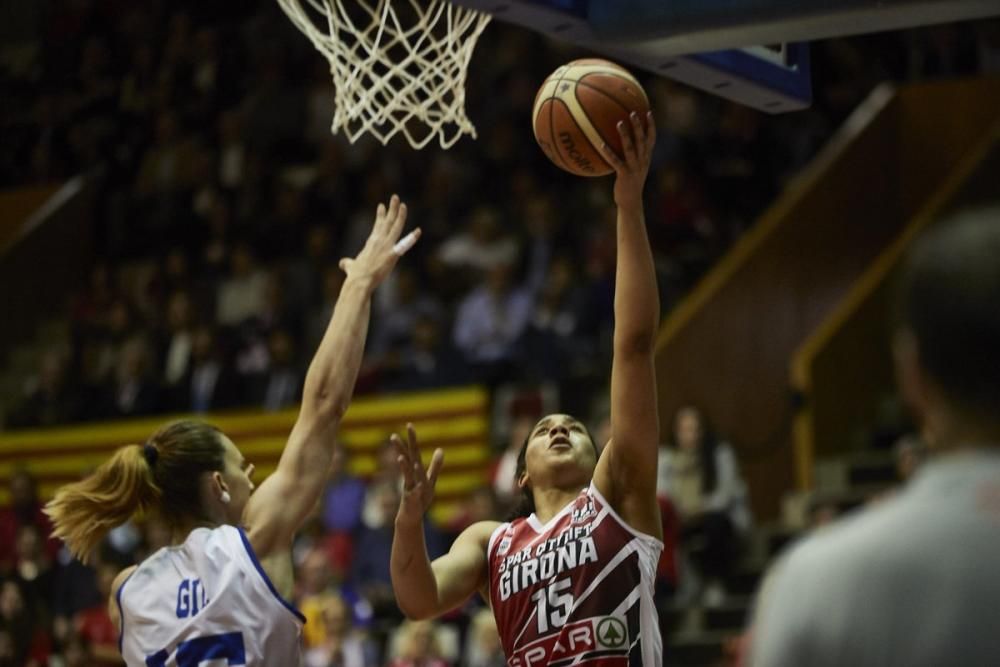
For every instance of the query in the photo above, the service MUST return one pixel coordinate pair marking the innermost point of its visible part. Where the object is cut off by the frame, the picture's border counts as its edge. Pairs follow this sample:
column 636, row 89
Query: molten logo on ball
column 566, row 139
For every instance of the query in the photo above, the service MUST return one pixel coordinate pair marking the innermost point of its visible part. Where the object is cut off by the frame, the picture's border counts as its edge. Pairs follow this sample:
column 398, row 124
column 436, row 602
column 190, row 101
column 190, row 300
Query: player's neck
column 549, row 502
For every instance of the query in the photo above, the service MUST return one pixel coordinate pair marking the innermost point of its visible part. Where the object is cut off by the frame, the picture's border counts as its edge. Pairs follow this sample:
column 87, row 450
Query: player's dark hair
column 162, row 474
column 949, row 299
column 526, row 503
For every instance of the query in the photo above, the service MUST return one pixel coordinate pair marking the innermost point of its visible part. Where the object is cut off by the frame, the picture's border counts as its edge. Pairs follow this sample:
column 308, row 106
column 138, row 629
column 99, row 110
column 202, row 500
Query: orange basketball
column 578, row 108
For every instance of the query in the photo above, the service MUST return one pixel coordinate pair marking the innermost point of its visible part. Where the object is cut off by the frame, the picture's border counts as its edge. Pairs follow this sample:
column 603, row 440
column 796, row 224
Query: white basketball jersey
column 206, row 602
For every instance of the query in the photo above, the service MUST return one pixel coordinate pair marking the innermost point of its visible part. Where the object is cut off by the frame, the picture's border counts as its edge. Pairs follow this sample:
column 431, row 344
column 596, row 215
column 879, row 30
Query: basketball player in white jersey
column 572, row 581
column 219, row 592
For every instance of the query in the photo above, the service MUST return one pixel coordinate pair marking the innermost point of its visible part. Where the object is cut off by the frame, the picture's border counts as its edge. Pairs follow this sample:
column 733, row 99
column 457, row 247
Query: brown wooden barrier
column 844, row 369
column 728, row 346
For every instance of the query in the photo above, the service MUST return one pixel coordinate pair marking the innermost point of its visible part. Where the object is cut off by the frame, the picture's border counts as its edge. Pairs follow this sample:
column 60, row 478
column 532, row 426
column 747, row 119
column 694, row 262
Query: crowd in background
column 223, row 206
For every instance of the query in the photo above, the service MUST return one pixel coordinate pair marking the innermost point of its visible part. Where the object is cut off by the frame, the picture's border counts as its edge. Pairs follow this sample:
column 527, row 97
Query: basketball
column 578, row 108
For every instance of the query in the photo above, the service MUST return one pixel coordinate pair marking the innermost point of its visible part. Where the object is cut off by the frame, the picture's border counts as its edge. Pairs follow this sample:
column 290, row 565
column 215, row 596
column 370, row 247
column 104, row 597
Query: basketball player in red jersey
column 570, row 583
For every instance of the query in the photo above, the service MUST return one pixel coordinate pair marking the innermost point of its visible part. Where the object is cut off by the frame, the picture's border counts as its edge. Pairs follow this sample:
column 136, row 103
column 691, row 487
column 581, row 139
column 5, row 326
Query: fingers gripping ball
column 577, row 110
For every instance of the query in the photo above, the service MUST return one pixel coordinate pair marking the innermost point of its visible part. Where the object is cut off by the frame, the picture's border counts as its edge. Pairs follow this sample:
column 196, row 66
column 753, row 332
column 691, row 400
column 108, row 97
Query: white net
column 398, row 67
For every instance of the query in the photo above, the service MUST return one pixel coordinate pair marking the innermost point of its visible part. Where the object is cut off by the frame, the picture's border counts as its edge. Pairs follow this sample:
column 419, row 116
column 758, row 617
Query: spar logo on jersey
column 603, row 640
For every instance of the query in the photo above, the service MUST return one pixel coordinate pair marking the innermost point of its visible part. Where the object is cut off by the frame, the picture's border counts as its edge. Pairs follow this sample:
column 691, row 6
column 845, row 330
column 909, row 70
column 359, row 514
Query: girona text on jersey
column 577, row 590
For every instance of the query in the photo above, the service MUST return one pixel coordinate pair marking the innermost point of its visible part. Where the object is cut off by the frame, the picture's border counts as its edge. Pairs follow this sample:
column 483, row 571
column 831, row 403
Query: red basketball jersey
column 576, row 591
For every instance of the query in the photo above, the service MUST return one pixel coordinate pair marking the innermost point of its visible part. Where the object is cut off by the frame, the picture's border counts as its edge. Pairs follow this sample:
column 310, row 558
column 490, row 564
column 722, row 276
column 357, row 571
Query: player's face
column 558, row 440
column 238, row 474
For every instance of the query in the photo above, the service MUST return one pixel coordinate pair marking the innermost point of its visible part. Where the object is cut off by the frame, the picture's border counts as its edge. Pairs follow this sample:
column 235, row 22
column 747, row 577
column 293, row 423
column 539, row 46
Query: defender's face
column 238, row 473
column 559, row 440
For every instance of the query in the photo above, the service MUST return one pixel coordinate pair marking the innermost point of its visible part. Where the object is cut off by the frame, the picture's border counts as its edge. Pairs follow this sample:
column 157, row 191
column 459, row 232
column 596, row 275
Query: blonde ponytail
column 85, row 512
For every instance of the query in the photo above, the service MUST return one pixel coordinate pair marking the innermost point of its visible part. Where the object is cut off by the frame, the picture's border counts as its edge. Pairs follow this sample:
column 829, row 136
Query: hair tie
column 150, row 453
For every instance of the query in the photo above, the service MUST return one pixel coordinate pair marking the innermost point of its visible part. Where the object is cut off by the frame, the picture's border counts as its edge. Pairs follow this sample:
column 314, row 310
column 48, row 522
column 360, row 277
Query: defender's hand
column 384, row 247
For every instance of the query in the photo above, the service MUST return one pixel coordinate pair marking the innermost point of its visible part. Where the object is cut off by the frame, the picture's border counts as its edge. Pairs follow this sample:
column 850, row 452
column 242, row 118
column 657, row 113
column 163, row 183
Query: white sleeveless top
column 207, row 601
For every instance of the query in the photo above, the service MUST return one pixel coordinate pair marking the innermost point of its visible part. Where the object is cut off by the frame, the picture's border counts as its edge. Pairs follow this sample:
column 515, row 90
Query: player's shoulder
column 480, row 532
column 846, row 545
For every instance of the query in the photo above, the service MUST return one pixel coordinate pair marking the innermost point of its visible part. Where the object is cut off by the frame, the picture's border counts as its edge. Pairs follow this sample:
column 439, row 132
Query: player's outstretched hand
column 418, row 483
column 384, row 247
column 638, row 136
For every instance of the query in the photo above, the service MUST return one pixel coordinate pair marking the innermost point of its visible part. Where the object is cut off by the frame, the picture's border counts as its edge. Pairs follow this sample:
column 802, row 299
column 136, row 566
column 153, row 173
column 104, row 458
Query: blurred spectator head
column 242, row 262
column 134, row 362
column 337, row 618
column 689, row 428
column 180, row 314
column 483, row 505
column 500, row 278
column 947, row 328
column 315, row 574
column 426, row 333
column 386, row 495
column 52, row 372
column 76, row 651
column 176, row 267
column 205, row 345
column 484, row 225
column 484, row 639
column 282, row 349
column 319, row 242
column 12, row 603
column 28, row 546
column 910, row 453
column 23, row 491
column 418, row 641
column 120, row 318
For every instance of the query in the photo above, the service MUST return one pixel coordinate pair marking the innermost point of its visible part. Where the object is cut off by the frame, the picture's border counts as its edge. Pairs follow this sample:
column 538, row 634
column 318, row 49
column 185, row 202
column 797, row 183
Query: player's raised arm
column 424, row 589
column 626, row 472
column 284, row 499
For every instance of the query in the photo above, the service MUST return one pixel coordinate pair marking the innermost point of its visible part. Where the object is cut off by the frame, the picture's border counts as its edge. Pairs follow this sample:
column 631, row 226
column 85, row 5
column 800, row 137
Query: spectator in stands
column 553, row 340
column 700, row 475
column 341, row 645
column 49, row 398
column 490, row 322
column 418, row 646
column 345, row 497
column 398, row 309
column 505, row 471
column 371, row 573
column 482, row 648
column 910, row 453
column 284, row 378
column 133, row 392
column 34, row 568
column 176, row 346
column 241, row 295
column 94, row 624
column 211, row 384
column 483, row 246
column 29, row 645
column 427, row 361
column 24, row 509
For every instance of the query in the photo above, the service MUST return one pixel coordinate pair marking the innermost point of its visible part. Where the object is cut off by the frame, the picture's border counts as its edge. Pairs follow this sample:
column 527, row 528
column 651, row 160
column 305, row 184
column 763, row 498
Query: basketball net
column 398, row 66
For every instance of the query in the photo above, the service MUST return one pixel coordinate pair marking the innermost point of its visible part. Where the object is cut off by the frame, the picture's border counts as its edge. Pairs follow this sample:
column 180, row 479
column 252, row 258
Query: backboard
column 719, row 45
